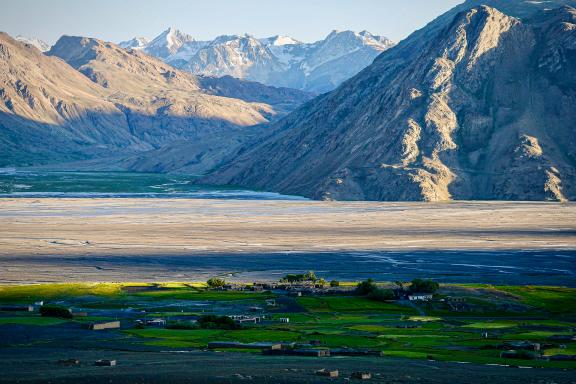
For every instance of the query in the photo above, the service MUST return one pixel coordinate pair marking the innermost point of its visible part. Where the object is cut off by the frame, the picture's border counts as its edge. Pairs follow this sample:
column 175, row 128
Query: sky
column 305, row 20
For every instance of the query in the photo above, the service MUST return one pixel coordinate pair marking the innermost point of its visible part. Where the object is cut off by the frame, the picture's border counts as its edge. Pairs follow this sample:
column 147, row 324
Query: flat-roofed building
column 102, row 326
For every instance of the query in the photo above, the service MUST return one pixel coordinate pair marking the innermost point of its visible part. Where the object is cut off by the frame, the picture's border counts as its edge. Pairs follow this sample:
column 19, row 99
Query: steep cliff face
column 478, row 105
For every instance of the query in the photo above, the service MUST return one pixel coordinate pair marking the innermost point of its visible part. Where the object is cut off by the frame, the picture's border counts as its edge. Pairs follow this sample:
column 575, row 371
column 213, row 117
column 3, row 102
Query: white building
column 420, row 297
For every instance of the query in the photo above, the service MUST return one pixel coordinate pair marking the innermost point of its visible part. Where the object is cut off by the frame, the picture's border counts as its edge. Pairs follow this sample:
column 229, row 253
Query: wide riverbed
column 126, row 239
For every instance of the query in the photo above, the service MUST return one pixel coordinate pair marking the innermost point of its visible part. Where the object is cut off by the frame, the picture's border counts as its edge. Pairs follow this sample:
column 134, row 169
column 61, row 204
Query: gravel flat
column 170, row 239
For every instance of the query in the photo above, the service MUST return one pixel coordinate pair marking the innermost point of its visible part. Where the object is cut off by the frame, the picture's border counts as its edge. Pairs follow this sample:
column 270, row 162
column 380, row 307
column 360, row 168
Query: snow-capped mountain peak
column 167, row 43
column 135, row 43
column 35, row 42
column 278, row 60
column 280, row 40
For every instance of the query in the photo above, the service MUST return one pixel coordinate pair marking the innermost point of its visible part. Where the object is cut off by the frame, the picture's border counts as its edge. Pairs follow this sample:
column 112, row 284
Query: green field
column 30, row 320
column 470, row 332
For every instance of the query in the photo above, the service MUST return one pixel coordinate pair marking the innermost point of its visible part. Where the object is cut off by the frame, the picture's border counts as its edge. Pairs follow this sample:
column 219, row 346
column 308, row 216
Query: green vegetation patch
column 424, row 318
column 552, row 299
column 203, row 295
column 31, row 320
column 490, row 325
column 29, row 293
column 351, row 304
column 201, row 337
column 406, row 354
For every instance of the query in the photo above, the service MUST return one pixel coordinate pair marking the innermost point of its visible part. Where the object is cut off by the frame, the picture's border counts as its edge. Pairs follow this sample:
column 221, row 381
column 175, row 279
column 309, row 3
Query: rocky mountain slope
column 50, row 112
column 477, row 105
column 96, row 99
column 278, row 61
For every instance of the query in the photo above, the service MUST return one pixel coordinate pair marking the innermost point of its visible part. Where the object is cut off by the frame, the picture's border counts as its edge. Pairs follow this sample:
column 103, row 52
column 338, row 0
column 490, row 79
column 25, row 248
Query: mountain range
column 87, row 98
column 480, row 104
column 278, row 61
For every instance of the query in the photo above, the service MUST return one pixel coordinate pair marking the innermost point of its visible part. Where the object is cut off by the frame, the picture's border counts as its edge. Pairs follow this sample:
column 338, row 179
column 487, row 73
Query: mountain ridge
column 277, row 61
column 87, row 98
column 453, row 124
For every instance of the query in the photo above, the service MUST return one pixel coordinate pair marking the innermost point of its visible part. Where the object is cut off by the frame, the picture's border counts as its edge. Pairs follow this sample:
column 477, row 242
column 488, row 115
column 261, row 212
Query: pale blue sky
column 306, row 20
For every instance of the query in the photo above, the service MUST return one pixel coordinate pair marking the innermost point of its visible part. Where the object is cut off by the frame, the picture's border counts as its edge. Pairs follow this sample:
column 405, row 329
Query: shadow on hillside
column 25, row 142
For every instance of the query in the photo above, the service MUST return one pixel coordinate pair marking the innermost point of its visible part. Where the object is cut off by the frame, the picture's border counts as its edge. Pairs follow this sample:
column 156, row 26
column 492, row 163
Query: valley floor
column 51, row 240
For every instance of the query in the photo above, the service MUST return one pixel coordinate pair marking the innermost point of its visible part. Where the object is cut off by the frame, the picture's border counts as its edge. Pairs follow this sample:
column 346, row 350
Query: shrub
column 216, row 283
column 382, row 295
column 366, row 287
column 299, row 278
column 423, row 286
column 310, row 276
column 217, row 322
column 55, row 311
column 334, row 283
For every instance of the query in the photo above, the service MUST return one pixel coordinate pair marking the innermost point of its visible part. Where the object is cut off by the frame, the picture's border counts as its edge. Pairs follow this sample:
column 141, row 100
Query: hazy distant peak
column 280, row 40
column 278, row 60
column 40, row 44
column 135, row 43
column 167, row 43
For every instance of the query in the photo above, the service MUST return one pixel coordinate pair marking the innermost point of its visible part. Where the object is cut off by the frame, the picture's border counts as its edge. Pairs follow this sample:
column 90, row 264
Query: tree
column 321, row 282
column 366, row 287
column 292, row 278
column 382, row 295
column 55, row 311
column 423, row 286
column 334, row 283
column 217, row 322
column 216, row 283
column 310, row 276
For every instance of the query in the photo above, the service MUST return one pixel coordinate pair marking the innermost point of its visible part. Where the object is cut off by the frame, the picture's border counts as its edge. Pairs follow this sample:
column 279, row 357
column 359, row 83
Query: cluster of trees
column 217, row 322
column 216, row 283
column 423, row 286
column 309, row 276
column 369, row 289
column 55, row 311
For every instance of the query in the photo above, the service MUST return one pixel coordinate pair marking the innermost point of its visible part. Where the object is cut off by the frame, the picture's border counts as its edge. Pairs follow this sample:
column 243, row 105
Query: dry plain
column 169, row 239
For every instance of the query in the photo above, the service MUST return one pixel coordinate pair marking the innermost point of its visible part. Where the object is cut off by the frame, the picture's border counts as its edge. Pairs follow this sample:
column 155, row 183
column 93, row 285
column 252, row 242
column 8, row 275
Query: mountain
column 339, row 57
column 51, row 112
column 87, row 98
column 277, row 61
column 167, row 43
column 35, row 42
column 477, row 105
column 165, row 104
column 135, row 43
column 242, row 57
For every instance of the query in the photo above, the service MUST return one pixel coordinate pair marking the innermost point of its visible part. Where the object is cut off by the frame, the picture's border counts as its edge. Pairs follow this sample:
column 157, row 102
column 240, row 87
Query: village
column 302, row 316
